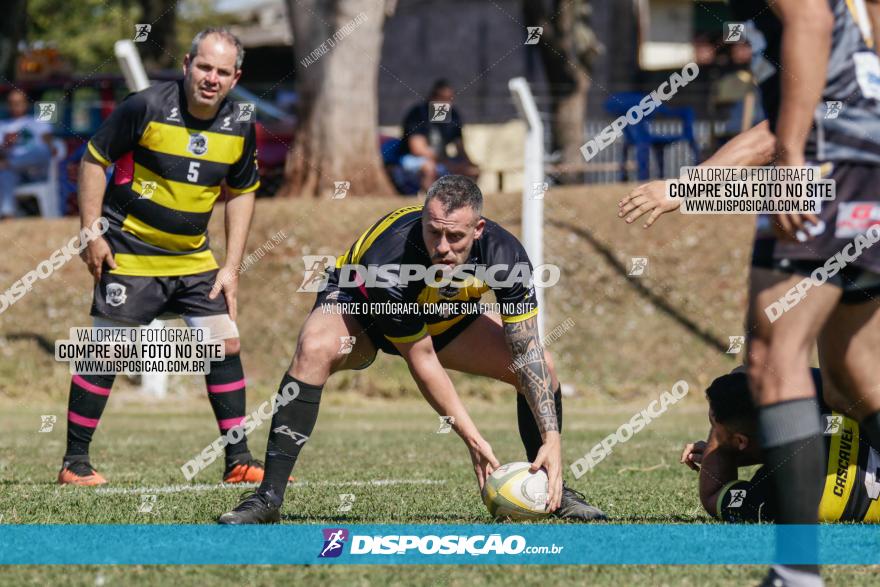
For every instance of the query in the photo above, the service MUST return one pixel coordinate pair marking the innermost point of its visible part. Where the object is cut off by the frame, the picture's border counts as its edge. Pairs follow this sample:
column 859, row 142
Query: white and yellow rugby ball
column 512, row 492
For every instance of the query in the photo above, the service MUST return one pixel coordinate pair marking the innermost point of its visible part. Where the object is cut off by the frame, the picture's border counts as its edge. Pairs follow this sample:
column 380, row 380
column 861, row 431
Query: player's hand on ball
column 692, row 455
column 649, row 197
column 227, row 281
column 550, row 457
column 483, row 459
column 96, row 253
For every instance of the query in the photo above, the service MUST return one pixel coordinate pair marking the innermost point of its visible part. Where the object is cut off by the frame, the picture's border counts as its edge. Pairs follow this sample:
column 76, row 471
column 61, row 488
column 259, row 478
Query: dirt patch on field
column 632, row 336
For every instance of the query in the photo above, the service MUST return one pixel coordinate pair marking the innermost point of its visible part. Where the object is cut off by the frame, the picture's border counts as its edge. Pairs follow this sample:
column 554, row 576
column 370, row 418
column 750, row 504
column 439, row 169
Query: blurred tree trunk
column 337, row 46
column 12, row 30
column 568, row 46
column 160, row 50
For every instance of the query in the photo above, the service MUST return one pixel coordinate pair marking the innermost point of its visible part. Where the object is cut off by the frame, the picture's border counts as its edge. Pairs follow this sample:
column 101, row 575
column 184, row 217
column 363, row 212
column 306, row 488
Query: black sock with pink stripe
column 226, row 391
column 88, row 396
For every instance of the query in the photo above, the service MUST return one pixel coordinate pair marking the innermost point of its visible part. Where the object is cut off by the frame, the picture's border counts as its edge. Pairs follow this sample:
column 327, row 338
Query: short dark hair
column 225, row 34
column 454, row 192
column 440, row 84
column 731, row 402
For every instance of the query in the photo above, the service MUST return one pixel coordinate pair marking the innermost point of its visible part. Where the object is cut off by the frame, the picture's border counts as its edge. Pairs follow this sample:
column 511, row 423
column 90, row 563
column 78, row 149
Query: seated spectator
column 432, row 144
column 25, row 150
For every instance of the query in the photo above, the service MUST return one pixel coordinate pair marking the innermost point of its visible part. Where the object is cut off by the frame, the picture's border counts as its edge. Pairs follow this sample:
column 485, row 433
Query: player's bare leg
column 848, row 354
column 324, row 346
column 495, row 361
column 779, row 376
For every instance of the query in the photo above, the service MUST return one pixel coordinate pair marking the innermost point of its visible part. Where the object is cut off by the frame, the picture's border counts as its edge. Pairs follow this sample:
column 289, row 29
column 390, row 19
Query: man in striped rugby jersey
column 173, row 146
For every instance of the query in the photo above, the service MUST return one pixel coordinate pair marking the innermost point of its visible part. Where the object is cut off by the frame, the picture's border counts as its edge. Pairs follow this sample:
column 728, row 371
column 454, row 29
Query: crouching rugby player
column 448, row 231
column 851, row 490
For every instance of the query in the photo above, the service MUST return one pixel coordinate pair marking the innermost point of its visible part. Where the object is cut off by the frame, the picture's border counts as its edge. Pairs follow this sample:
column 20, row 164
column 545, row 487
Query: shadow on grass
column 657, row 300
column 44, row 343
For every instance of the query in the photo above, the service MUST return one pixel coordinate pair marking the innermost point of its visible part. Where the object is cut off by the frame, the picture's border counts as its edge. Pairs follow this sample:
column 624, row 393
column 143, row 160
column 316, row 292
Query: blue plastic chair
column 640, row 136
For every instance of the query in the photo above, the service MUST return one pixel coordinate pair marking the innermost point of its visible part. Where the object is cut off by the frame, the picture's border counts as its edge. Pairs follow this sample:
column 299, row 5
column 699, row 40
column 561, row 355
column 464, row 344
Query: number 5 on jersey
column 193, row 173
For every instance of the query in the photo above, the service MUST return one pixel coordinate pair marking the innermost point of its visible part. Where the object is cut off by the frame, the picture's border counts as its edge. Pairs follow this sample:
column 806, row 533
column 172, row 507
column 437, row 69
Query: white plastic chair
column 46, row 192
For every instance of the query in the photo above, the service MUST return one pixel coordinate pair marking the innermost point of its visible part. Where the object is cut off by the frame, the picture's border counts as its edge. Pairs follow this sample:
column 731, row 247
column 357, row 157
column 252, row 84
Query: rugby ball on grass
column 512, row 492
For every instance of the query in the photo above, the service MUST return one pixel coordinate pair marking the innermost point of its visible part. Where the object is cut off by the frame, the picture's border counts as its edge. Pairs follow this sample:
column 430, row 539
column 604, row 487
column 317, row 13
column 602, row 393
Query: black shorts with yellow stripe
column 333, row 294
column 132, row 298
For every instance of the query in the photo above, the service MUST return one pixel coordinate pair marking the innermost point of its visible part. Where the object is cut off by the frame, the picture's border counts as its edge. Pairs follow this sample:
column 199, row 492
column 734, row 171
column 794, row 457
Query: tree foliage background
column 84, row 30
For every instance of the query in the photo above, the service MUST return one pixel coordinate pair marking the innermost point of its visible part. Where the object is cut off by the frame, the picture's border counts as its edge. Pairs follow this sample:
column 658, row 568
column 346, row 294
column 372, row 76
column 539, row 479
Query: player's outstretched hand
column 227, row 281
column 483, row 459
column 692, row 455
column 550, row 457
column 794, row 227
column 96, row 253
column 648, row 197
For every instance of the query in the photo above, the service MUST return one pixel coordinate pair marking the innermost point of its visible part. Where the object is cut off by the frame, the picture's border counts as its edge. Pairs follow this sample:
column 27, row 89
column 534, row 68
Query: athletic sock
column 226, row 392
column 85, row 404
column 871, row 428
column 794, row 454
column 292, row 425
column 529, row 432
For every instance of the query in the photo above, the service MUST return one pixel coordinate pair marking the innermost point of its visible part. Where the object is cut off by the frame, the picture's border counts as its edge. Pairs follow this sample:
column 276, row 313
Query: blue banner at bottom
column 632, row 544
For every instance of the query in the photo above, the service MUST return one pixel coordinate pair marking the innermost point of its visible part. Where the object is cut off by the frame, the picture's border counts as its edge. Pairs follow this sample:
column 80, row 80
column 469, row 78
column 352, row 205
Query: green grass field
column 385, row 453
column 633, row 338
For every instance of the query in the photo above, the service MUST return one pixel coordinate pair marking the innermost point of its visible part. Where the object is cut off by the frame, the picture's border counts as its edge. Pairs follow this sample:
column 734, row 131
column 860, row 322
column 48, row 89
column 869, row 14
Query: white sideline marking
column 209, row 487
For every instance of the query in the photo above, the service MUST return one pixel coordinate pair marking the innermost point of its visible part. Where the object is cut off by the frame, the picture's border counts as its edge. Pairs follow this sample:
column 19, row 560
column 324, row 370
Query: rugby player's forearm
column 533, row 373
column 755, row 146
column 438, row 391
column 239, row 211
column 806, row 46
column 90, row 191
column 716, row 471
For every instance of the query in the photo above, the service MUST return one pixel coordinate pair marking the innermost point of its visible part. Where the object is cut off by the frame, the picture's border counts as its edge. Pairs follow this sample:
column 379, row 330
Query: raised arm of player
column 90, row 194
column 535, row 384
column 755, row 146
column 239, row 211
column 437, row 388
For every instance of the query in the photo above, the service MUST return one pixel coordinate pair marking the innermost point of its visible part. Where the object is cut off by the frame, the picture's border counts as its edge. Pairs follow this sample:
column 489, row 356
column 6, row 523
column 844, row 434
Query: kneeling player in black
column 446, row 233
column 851, row 491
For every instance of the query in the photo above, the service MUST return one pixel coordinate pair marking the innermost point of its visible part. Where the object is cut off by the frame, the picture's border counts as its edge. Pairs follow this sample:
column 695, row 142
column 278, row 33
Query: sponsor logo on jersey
column 227, row 123
column 198, row 144
column 844, row 455
column 174, row 115
column 854, row 218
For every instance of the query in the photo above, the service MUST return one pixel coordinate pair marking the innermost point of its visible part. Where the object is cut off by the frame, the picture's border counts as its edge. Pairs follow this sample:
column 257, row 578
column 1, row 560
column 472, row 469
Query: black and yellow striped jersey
column 396, row 239
column 852, row 481
column 169, row 167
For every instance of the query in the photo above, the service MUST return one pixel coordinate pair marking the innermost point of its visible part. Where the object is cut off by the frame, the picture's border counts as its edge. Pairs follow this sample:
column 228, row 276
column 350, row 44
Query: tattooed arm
column 534, row 382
